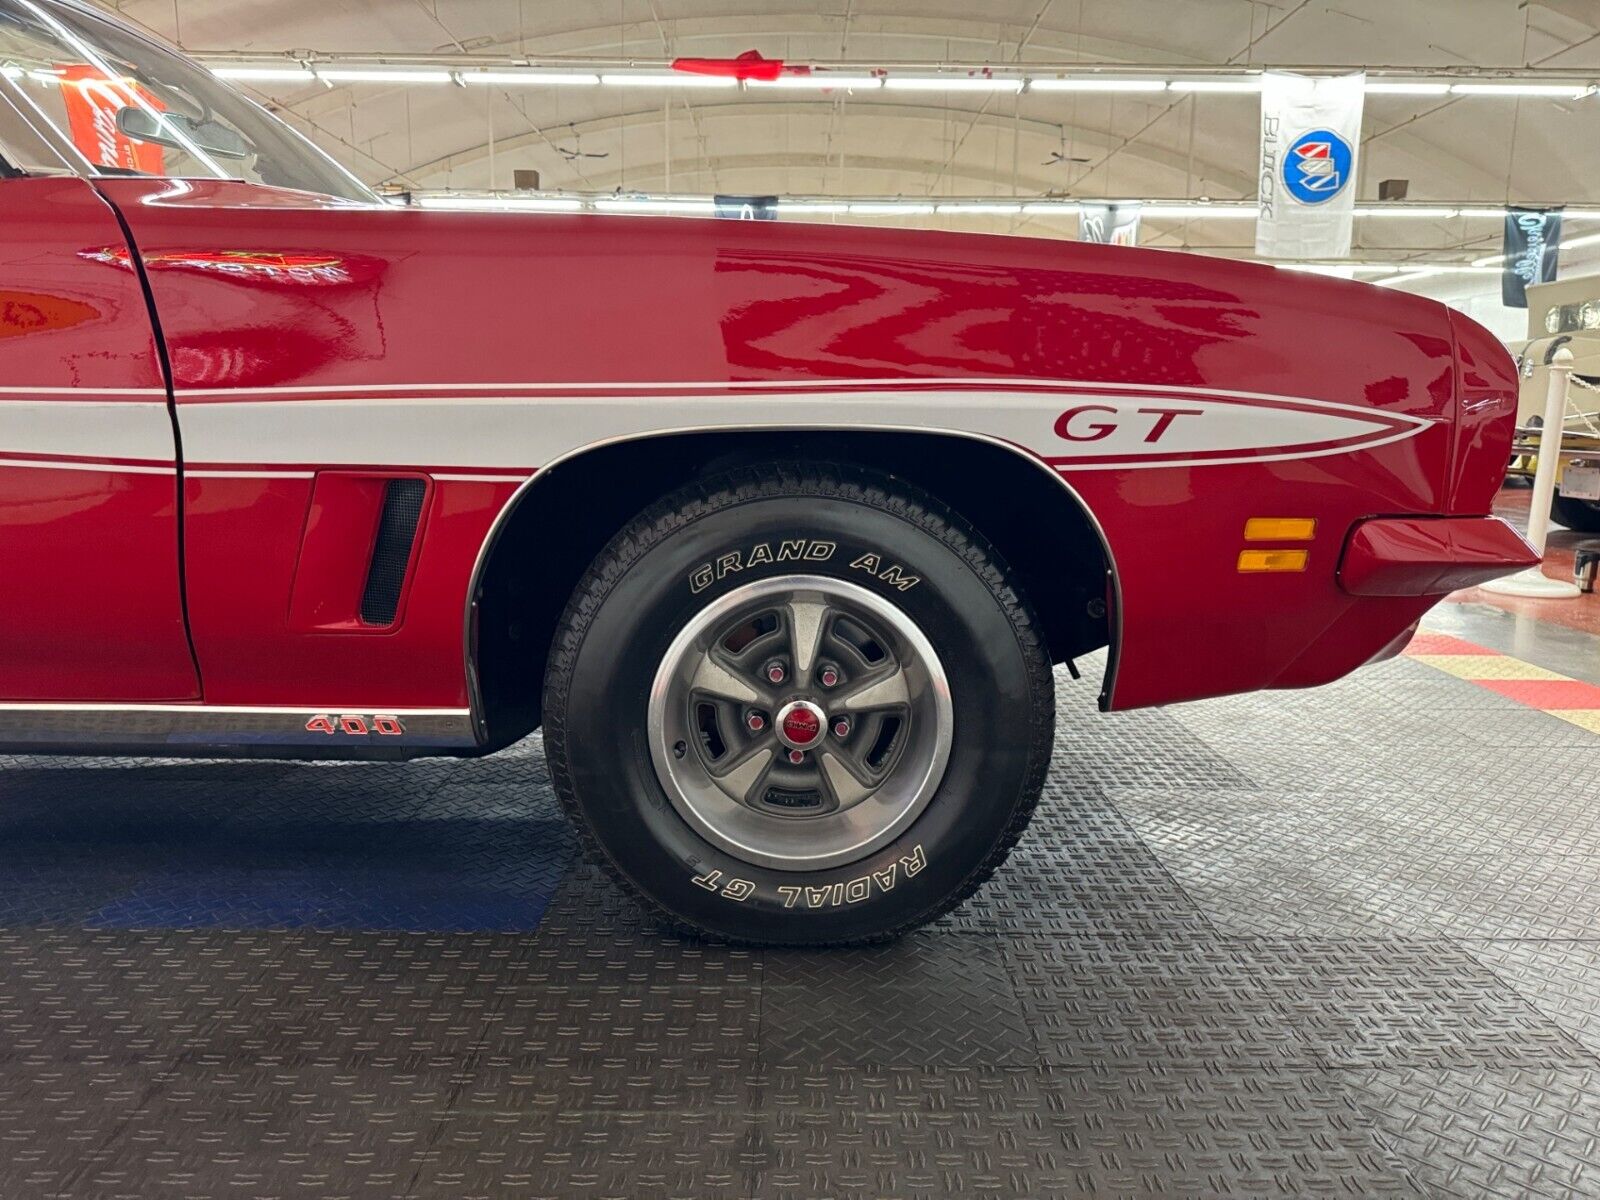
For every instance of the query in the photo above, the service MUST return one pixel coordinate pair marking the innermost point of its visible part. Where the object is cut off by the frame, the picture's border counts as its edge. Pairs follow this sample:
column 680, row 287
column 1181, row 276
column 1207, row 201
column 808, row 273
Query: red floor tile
column 1442, row 643
column 1546, row 693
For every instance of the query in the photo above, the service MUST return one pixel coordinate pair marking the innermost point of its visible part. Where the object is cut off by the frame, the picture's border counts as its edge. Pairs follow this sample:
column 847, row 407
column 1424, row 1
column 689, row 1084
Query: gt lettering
column 733, row 889
column 1079, row 425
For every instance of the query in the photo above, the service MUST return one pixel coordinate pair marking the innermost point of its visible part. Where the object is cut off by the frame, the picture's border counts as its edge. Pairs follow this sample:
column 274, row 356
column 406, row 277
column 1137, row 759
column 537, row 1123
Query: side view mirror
column 181, row 132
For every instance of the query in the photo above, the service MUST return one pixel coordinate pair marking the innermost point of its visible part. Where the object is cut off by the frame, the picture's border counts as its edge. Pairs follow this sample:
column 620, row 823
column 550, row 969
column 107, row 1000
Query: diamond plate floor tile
column 277, row 1131
column 1080, row 871
column 1166, row 1132
column 1561, row 979
column 595, row 1128
column 923, row 1000
column 1133, row 750
column 55, row 1117
column 1490, row 1133
column 1391, row 1003
column 406, row 1002
column 648, row 997
column 1163, row 1131
column 1132, row 1004
column 859, row 1135
column 78, row 996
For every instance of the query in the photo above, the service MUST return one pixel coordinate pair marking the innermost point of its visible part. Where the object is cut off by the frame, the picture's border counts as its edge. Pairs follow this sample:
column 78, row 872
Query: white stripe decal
column 1102, row 430
column 249, row 474
column 136, row 433
column 481, row 428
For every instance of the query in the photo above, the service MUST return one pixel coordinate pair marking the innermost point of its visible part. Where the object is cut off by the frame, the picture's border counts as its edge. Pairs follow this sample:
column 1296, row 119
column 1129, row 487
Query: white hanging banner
column 1310, row 133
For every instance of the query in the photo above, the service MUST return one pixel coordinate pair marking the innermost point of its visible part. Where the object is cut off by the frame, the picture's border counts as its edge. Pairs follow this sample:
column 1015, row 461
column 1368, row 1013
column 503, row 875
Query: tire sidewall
column 957, row 602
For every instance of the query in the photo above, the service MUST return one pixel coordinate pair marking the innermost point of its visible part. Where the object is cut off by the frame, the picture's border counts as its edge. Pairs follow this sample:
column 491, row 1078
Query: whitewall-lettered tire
column 801, row 704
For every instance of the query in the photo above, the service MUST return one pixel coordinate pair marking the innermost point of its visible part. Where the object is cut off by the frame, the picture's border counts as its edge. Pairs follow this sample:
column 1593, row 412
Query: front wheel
column 803, row 705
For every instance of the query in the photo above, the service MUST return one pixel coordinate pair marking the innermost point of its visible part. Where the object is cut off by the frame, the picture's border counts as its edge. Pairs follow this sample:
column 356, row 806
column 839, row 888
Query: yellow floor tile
column 1485, row 666
column 1588, row 718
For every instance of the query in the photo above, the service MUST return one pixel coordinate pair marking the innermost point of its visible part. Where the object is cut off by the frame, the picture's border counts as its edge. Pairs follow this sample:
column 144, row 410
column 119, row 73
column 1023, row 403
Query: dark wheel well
column 568, row 513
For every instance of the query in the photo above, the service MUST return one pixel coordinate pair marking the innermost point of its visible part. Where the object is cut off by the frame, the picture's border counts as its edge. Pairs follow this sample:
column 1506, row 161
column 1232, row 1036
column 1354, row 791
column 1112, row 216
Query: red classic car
column 776, row 530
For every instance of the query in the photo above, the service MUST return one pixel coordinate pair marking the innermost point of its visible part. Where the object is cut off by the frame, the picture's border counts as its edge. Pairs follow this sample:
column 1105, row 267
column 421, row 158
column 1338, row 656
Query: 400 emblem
column 356, row 725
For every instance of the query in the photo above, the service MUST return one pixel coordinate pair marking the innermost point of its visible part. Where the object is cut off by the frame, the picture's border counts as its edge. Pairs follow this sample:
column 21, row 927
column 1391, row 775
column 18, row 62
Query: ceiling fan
column 1061, row 157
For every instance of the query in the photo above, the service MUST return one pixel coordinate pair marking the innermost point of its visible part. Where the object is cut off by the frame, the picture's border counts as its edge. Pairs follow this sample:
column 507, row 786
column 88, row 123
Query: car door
column 91, row 606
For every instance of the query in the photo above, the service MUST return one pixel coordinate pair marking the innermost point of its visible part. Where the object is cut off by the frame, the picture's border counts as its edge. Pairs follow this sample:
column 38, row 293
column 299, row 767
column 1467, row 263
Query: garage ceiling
column 918, row 144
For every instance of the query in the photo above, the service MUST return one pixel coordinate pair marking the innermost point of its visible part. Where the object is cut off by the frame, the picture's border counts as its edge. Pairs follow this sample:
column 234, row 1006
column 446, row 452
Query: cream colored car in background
column 1566, row 313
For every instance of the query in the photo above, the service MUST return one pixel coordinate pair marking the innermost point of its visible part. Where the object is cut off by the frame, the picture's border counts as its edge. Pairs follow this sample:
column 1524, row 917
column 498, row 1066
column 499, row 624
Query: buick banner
column 1310, row 134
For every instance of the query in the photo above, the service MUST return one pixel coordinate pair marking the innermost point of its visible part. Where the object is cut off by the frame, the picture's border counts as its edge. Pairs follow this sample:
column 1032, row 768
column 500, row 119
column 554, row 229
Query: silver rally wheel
column 800, row 722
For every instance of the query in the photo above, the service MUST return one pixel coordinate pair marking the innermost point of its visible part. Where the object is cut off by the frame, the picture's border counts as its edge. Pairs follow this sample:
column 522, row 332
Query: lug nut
column 829, row 677
column 841, row 727
column 776, row 673
column 797, row 757
column 755, row 722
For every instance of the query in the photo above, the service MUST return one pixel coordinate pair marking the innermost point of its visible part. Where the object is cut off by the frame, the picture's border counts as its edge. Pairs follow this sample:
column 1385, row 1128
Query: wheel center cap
column 800, row 724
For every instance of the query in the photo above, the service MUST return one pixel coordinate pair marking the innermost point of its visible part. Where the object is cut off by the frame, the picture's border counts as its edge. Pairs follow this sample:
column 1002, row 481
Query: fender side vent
column 391, row 550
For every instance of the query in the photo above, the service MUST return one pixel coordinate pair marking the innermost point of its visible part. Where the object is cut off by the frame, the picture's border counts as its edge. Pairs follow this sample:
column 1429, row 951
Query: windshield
column 132, row 107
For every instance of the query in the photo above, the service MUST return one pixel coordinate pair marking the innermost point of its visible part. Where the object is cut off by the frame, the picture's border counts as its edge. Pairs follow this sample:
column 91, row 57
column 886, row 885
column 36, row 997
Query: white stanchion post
column 1533, row 581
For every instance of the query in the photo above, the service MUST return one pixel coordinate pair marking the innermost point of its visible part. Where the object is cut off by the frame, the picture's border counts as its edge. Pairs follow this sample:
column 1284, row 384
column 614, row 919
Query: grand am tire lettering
column 797, row 550
column 893, row 574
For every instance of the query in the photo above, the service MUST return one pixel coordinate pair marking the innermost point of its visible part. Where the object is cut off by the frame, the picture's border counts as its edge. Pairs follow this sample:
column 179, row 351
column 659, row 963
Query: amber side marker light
column 1280, row 529
column 1251, row 561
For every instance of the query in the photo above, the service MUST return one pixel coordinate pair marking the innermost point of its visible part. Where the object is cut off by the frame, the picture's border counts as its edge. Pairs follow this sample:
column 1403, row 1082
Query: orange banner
column 92, row 103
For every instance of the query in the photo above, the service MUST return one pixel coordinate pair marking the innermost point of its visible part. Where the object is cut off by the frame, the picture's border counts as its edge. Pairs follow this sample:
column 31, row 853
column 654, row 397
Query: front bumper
column 1430, row 556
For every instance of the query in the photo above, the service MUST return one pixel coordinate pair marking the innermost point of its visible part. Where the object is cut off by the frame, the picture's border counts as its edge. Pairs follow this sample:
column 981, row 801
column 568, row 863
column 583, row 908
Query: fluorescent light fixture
column 532, row 78
column 1095, row 83
column 1590, row 239
column 980, row 207
column 1481, row 210
column 820, row 81
column 1052, row 208
column 668, row 79
column 1252, row 84
column 897, row 208
column 1492, row 260
column 952, row 83
column 381, row 75
column 1408, row 277
column 1332, row 270
column 1391, row 87
column 1197, row 211
column 1406, row 211
column 813, row 207
column 264, row 74
column 1570, row 91
column 645, row 204
column 503, row 203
